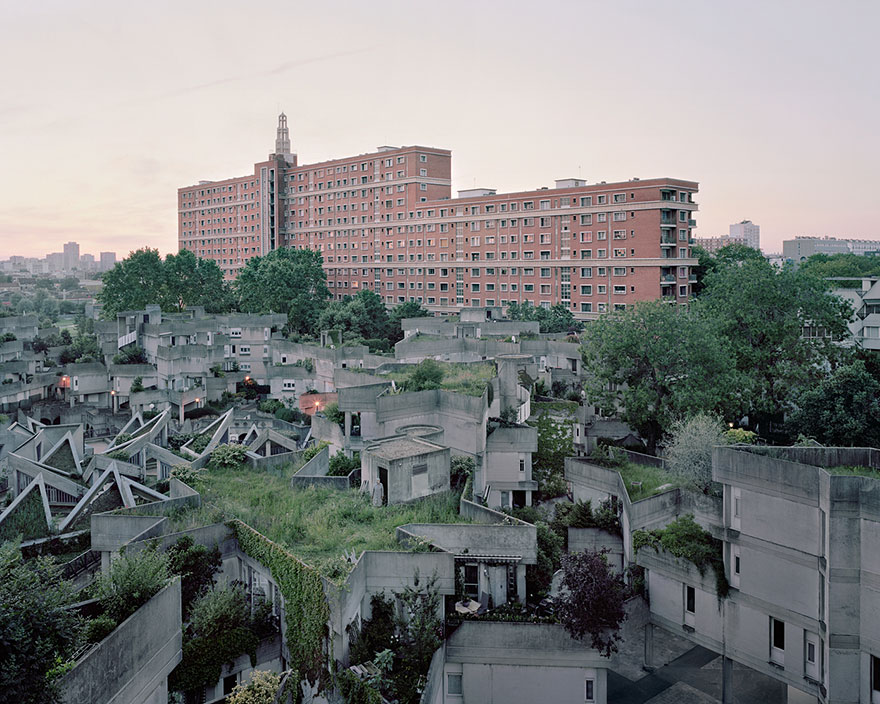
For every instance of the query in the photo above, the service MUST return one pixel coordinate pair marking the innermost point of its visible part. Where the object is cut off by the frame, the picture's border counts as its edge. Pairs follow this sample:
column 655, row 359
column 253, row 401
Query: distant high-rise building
column 748, row 232
column 713, row 244
column 55, row 261
column 387, row 221
column 108, row 261
column 800, row 248
column 87, row 262
column 71, row 256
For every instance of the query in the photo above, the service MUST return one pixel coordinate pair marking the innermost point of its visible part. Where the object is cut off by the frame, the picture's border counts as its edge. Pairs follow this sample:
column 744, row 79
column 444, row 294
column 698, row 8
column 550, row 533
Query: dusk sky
column 107, row 107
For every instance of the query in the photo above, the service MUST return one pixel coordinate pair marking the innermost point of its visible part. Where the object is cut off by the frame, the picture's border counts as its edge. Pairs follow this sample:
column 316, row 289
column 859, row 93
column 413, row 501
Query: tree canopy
column 844, row 264
column 843, row 409
column 360, row 317
column 36, row 629
column 657, row 362
column 285, row 280
column 182, row 280
column 591, row 604
column 763, row 311
column 556, row 318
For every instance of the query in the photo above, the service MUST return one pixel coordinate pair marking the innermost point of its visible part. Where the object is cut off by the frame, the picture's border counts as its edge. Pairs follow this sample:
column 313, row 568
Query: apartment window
column 453, row 683
column 875, row 680
column 619, row 289
column 620, row 271
column 735, row 565
column 586, row 307
column 586, row 201
column 812, row 655
column 601, row 200
column 586, row 272
column 545, row 272
column 690, row 605
column 601, row 289
column 735, row 508
column 589, row 690
column 620, row 197
column 586, row 290
column 777, row 641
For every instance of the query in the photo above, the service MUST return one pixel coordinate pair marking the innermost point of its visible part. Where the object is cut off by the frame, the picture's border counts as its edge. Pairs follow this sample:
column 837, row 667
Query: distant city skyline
column 728, row 95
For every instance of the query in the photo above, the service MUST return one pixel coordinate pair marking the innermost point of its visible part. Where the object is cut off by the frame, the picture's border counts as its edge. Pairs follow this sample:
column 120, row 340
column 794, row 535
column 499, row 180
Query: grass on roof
column 317, row 525
column 470, row 379
column 652, row 478
column 854, row 471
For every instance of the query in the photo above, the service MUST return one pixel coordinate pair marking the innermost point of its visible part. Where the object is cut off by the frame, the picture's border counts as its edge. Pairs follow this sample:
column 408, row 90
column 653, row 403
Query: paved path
column 624, row 691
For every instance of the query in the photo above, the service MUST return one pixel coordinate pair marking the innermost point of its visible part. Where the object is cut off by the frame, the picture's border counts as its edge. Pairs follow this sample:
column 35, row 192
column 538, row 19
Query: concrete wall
column 512, row 540
column 509, row 663
column 132, row 664
column 581, row 539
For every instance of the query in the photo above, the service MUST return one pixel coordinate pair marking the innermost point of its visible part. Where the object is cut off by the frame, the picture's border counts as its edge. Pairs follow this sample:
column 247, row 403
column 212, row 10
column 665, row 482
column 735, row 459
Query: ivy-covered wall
column 27, row 520
column 306, row 611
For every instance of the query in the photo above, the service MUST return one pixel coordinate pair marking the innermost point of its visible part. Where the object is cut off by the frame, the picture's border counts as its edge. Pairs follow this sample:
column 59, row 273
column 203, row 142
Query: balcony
column 692, row 278
column 692, row 223
column 667, row 279
column 667, row 240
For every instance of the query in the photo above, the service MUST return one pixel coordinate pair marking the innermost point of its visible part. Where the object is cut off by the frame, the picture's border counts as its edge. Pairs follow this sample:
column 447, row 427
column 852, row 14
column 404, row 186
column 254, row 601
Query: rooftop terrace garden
column 317, row 525
column 641, row 480
column 470, row 379
column 854, row 471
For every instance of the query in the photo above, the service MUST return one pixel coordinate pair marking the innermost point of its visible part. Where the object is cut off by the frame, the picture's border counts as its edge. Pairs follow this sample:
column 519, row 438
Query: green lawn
column 651, row 478
column 317, row 525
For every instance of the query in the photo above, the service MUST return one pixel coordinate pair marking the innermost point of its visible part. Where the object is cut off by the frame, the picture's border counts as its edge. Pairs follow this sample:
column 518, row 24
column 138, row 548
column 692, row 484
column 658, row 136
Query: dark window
column 690, row 599
column 589, row 691
column 875, row 674
column 778, row 634
column 229, row 684
column 471, row 581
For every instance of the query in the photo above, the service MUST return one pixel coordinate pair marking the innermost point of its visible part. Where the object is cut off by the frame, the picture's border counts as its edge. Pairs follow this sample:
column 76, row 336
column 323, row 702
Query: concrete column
column 521, row 583
column 649, row 646
column 181, row 406
column 347, row 423
column 726, row 680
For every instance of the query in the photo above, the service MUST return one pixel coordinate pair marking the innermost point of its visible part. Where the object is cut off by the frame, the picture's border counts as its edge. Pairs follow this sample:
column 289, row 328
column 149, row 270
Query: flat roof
column 398, row 448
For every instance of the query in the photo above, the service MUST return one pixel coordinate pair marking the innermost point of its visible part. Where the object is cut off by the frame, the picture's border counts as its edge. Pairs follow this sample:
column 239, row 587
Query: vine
column 306, row 611
column 684, row 538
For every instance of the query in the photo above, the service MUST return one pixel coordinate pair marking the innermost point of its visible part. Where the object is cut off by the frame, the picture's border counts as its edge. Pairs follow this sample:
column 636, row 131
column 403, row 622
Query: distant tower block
column 282, row 138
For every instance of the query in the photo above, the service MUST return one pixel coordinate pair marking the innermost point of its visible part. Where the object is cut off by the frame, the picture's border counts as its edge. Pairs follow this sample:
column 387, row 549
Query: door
column 383, row 480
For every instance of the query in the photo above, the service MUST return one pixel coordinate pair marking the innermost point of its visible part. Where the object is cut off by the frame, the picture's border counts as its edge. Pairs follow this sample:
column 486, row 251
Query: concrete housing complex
column 801, row 248
column 386, row 221
column 798, row 536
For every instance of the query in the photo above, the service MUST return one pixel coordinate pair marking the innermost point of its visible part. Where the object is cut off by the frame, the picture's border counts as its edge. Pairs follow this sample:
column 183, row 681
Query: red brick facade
column 385, row 221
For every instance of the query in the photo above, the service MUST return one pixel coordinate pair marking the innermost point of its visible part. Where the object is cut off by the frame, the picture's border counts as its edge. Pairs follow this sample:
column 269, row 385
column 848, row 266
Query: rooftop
column 317, row 525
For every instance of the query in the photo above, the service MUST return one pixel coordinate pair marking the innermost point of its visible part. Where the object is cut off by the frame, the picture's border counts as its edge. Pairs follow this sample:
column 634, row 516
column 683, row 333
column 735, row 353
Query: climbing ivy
column 684, row 538
column 306, row 608
column 27, row 520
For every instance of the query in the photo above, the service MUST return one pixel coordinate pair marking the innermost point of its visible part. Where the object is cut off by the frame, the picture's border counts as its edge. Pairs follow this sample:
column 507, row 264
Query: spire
column 282, row 137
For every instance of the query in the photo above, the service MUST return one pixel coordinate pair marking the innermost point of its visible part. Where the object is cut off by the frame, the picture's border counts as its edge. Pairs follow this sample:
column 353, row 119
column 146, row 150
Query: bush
column 270, row 405
column 137, row 384
column 98, row 628
column 260, row 690
column 427, row 375
column 341, row 466
column 133, row 579
column 310, row 452
column 333, row 414
column 460, row 468
column 228, row 456
column 196, row 565
column 689, row 454
column 377, row 632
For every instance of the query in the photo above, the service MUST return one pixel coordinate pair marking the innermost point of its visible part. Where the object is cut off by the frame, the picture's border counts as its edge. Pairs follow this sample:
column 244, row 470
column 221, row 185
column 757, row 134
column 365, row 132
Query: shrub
column 260, row 690
column 341, row 466
column 270, row 405
column 310, row 452
column 460, row 469
column 689, row 454
column 133, row 579
column 196, row 565
column 228, row 456
column 740, row 436
column 137, row 384
column 333, row 414
column 377, row 632
column 428, row 374
column 98, row 628
column 121, row 455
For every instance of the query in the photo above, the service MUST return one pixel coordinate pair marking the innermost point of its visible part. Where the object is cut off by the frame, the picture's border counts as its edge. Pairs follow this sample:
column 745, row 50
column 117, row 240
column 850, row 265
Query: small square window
column 453, row 683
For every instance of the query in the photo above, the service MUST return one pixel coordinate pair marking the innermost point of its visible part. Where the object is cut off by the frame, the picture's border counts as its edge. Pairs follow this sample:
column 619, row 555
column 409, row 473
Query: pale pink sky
column 108, row 107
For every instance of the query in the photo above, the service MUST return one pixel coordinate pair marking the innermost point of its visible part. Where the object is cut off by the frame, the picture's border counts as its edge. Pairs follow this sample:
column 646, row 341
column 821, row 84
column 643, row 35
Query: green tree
column 591, row 603
column 410, row 309
column 36, row 628
column 557, row 318
column 191, row 281
column 133, row 283
column 286, row 280
column 657, row 362
column 131, row 355
column 841, row 265
column 554, row 445
column 262, row 689
column 133, row 579
column 196, row 565
column 843, row 409
column 763, row 311
column 362, row 316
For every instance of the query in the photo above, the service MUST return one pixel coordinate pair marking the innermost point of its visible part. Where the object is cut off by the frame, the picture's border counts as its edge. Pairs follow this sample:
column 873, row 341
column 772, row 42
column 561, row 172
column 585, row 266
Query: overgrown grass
column 317, row 525
column 854, row 471
column 651, row 478
column 470, row 379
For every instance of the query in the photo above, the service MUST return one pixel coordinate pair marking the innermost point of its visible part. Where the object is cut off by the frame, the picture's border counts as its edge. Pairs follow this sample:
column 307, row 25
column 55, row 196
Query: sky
column 107, row 108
